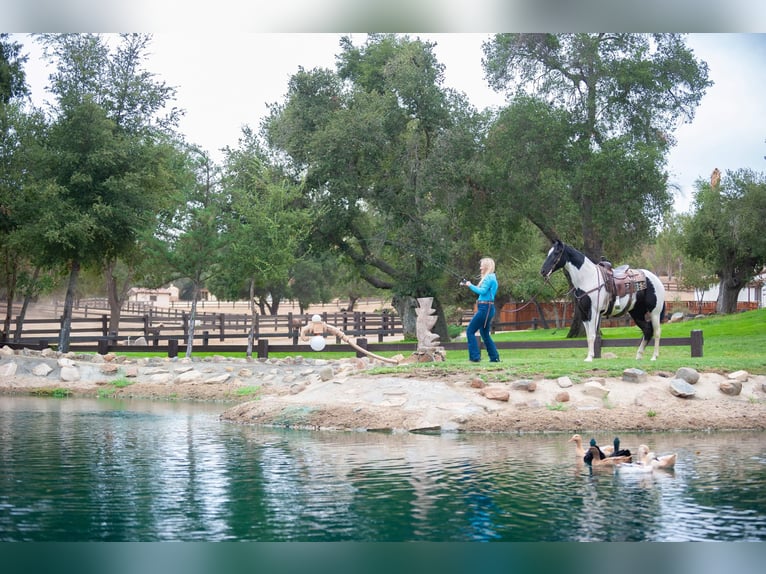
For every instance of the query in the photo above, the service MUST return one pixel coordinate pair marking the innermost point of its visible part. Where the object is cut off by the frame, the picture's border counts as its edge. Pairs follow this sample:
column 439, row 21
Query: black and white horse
column 595, row 300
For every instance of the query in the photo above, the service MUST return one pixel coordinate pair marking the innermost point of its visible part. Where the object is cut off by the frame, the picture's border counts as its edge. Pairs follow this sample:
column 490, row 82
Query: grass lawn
column 731, row 342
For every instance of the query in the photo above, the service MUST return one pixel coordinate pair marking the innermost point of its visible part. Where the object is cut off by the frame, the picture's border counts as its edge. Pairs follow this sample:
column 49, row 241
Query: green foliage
column 589, row 168
column 726, row 231
column 249, row 391
column 58, row 392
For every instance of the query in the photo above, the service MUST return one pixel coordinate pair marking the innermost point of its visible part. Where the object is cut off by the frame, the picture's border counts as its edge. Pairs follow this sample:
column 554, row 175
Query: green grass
column 731, row 342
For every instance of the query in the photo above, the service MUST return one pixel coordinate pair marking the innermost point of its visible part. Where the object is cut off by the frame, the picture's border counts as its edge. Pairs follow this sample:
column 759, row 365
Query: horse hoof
column 588, row 359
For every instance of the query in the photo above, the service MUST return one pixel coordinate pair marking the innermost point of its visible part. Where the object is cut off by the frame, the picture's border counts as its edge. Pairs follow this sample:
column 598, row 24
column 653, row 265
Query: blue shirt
column 487, row 288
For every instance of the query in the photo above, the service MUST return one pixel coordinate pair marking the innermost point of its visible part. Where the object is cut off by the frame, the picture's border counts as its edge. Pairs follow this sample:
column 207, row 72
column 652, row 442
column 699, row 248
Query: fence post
column 172, row 348
column 361, row 343
column 383, row 326
column 104, row 326
column 103, row 345
column 263, row 349
column 220, row 322
column 205, row 338
column 697, row 342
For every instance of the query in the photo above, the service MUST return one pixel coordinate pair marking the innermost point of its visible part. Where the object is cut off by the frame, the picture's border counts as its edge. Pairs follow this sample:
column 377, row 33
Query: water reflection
column 91, row 470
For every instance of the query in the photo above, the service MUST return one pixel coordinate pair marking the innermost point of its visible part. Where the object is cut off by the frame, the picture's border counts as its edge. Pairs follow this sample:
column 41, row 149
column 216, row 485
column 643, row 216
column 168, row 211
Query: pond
column 129, row 470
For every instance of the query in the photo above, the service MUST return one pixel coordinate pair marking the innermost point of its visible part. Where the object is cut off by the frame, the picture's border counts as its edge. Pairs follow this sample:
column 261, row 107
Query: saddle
column 620, row 282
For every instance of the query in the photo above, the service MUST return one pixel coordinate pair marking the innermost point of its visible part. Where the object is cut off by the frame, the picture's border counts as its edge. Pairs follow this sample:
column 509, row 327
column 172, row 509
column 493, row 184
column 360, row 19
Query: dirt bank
column 341, row 395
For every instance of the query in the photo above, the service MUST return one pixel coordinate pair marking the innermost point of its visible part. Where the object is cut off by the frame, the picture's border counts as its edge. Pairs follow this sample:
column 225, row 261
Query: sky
column 226, row 80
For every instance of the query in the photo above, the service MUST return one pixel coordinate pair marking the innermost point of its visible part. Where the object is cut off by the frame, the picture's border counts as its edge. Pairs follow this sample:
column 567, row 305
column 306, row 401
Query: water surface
column 130, row 470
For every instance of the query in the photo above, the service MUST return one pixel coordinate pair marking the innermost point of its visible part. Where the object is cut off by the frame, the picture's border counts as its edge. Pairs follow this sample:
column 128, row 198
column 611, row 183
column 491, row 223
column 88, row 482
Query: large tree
column 581, row 149
column 188, row 241
column 726, row 231
column 367, row 139
column 621, row 96
column 109, row 150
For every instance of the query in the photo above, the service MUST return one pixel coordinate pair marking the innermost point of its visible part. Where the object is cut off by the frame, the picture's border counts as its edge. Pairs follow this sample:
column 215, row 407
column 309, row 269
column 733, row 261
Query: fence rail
column 173, row 347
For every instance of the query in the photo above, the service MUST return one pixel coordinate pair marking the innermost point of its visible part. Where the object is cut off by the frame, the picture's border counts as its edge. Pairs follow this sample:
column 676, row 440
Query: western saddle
column 620, row 282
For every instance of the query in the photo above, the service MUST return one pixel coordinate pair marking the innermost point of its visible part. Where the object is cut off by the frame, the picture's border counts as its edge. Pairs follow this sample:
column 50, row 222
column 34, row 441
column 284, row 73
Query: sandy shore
column 345, row 395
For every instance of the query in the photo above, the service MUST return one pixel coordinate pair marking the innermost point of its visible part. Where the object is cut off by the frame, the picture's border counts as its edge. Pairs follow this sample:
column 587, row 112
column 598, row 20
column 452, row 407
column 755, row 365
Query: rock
column 676, row 317
column 65, row 362
column 732, row 388
column 70, row 373
column 477, row 383
column 42, row 370
column 192, row 376
column 688, row 374
column 562, row 397
column 682, row 389
column 634, row 375
column 564, row 382
column 160, row 378
column 218, row 379
column 326, row 373
column 524, row 385
column 740, row 376
column 496, row 393
column 109, row 368
column 6, row 351
column 595, row 389
column 8, row 369
column 245, row 373
column 131, row 372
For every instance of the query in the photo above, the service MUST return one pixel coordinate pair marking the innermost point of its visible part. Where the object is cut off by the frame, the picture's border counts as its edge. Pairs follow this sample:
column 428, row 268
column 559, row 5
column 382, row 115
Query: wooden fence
column 158, row 326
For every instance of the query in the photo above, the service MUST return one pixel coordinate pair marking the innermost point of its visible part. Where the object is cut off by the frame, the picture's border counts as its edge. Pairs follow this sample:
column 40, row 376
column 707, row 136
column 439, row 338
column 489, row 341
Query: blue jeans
column 481, row 322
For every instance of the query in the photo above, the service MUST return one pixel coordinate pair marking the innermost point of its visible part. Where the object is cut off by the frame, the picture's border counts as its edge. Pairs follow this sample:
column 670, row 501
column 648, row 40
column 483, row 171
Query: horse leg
column 647, row 332
column 657, row 331
column 590, row 334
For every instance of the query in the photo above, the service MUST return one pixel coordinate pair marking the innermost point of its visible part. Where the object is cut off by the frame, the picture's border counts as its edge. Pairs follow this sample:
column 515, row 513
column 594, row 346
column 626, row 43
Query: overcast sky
column 226, row 80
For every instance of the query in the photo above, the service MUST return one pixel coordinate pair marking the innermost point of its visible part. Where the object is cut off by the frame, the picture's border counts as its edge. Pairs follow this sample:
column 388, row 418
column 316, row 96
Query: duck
column 579, row 450
column 622, row 455
column 648, row 458
column 593, row 457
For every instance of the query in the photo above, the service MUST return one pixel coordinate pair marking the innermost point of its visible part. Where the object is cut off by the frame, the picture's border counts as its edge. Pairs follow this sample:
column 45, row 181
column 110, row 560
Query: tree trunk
column 541, row 313
column 728, row 292
column 251, row 334
column 192, row 320
column 24, row 307
column 11, row 278
column 66, row 316
column 116, row 296
column 577, row 328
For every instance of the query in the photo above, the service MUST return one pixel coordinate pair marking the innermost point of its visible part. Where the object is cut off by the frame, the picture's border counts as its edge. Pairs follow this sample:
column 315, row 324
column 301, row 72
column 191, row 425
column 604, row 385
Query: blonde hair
column 490, row 265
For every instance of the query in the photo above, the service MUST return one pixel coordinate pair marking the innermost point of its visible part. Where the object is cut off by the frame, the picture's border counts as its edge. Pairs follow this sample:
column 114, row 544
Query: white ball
column 317, row 342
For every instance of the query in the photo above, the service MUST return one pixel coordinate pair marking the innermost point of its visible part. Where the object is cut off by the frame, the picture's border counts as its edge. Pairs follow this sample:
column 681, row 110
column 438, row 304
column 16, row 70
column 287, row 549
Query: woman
column 485, row 311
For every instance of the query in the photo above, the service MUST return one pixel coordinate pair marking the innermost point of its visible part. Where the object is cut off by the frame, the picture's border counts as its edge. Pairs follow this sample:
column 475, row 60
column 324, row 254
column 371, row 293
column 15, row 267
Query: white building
column 159, row 297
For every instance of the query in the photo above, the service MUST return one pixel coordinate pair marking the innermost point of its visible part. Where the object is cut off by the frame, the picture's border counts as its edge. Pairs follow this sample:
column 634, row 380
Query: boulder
column 564, row 382
column 595, row 389
column 682, row 389
column 496, row 393
column 634, row 375
column 732, row 388
column 688, row 374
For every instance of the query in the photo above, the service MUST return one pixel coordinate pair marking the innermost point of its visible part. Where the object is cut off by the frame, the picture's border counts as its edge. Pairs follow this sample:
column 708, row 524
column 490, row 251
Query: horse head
column 554, row 261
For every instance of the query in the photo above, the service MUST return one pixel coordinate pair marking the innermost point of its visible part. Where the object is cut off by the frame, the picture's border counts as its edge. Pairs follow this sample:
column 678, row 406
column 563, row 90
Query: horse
column 601, row 292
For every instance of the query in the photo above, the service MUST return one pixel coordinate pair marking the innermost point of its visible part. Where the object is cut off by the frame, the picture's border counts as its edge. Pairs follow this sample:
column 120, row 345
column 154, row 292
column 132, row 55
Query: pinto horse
column 602, row 293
